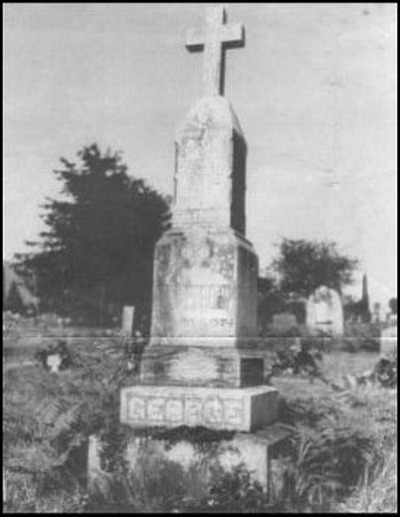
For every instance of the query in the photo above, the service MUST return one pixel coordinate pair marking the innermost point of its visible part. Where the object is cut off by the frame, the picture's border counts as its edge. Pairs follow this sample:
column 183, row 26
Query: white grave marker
column 128, row 315
column 325, row 311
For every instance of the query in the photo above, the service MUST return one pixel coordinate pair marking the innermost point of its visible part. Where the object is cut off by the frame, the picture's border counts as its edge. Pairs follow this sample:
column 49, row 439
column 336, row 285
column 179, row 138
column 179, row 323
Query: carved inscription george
column 212, row 411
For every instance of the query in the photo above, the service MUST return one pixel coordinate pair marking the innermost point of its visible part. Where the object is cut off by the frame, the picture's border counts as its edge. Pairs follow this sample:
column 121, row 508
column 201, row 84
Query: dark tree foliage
column 305, row 265
column 357, row 310
column 393, row 305
column 97, row 252
column 270, row 301
column 13, row 301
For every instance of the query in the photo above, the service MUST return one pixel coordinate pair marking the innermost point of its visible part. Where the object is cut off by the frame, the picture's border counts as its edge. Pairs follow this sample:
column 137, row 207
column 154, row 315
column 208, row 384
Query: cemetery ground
column 341, row 458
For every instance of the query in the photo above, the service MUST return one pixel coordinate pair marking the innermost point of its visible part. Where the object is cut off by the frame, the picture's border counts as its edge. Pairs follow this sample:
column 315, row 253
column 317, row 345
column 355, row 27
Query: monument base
column 241, row 409
column 254, row 452
column 178, row 365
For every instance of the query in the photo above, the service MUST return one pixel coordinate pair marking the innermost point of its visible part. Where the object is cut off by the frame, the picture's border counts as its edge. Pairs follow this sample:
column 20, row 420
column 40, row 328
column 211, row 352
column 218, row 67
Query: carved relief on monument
column 136, row 409
column 213, row 410
column 156, row 409
column 193, row 411
column 195, row 285
column 203, row 173
column 174, row 410
column 193, row 366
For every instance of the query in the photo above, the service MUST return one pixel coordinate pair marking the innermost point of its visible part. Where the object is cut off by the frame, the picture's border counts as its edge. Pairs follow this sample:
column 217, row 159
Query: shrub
column 378, row 491
column 385, row 371
column 325, row 463
column 154, row 486
column 361, row 336
column 61, row 349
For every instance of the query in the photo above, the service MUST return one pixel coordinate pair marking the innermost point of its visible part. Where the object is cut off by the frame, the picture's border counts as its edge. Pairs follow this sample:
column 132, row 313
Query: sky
column 314, row 89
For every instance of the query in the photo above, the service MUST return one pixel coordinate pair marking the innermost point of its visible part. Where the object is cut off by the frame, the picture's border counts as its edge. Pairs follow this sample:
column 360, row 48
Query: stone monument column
column 204, row 313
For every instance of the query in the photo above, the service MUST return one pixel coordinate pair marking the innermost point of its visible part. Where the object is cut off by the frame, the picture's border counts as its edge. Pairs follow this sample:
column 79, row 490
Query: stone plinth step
column 242, row 409
column 201, row 366
column 257, row 452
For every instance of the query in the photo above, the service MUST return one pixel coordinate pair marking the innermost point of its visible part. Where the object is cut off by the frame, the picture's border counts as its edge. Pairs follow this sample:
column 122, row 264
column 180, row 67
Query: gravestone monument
column 284, row 321
column 388, row 341
column 325, row 311
column 376, row 313
column 200, row 368
column 54, row 362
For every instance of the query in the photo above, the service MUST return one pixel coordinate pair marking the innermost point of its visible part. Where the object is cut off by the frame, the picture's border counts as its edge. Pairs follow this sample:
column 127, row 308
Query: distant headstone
column 284, row 321
column 325, row 311
column 388, row 344
column 128, row 315
column 376, row 313
column 54, row 362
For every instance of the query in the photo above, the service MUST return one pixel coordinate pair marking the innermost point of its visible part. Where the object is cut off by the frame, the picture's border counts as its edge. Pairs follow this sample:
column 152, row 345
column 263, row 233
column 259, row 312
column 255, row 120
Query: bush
column 378, row 491
column 326, row 458
column 162, row 486
column 385, row 371
column 154, row 486
column 361, row 336
column 46, row 422
column 61, row 349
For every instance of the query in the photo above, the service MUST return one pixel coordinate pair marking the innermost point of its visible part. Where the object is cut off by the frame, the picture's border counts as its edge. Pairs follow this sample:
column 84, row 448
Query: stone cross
column 217, row 37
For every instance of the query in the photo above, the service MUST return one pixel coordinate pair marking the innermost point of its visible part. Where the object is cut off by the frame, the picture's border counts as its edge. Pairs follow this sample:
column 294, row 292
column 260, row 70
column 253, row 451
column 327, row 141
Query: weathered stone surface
column 256, row 452
column 216, row 38
column 205, row 289
column 201, row 366
column 388, row 341
column 284, row 321
column 210, row 167
column 325, row 311
column 128, row 314
column 244, row 409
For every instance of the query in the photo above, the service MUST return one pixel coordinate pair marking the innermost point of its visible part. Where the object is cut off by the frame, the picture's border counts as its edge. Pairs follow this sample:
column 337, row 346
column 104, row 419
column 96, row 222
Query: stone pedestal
column 228, row 367
column 205, row 289
column 255, row 452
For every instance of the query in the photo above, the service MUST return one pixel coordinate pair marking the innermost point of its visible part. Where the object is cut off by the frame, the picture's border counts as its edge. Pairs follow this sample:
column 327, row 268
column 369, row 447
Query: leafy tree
column 356, row 309
column 97, row 252
column 393, row 305
column 304, row 265
column 13, row 301
column 270, row 301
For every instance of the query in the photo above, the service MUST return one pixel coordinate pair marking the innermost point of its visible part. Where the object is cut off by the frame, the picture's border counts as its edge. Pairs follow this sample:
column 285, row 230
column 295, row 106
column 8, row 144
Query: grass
column 342, row 457
column 359, row 425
